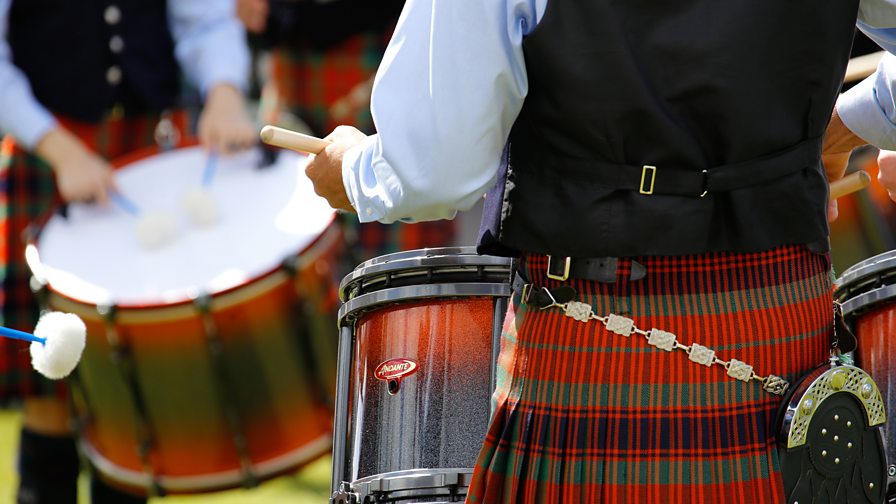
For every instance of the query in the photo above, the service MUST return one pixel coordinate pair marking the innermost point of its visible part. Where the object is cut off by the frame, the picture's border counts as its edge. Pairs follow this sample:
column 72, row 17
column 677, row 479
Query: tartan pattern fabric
column 586, row 415
column 28, row 195
column 308, row 82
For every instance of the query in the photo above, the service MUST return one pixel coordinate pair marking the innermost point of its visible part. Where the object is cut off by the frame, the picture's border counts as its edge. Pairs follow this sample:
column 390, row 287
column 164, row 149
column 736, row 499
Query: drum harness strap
column 563, row 298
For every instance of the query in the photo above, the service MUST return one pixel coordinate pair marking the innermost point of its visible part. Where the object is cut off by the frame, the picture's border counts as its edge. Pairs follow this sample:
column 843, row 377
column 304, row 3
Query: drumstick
column 287, row 139
column 272, row 135
column 211, row 165
column 862, row 66
column 849, row 184
column 124, row 203
column 57, row 343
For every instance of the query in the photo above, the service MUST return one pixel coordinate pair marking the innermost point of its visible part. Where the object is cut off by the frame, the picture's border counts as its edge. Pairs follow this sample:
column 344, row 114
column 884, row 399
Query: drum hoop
column 139, row 313
column 868, row 299
column 417, row 253
column 421, row 260
column 220, row 480
column 353, row 308
column 413, row 479
column 864, row 272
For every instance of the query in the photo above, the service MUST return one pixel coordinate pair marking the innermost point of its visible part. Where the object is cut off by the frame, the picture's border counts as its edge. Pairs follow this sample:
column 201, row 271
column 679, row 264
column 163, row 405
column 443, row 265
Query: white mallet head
column 155, row 229
column 200, row 207
column 64, row 337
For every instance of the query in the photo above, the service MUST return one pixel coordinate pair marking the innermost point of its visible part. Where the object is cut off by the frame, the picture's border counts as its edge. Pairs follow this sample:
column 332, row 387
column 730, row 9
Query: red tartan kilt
column 588, row 415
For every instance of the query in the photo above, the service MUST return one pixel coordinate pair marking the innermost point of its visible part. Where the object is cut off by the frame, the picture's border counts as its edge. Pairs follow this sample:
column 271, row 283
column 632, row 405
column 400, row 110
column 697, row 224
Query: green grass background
column 310, row 485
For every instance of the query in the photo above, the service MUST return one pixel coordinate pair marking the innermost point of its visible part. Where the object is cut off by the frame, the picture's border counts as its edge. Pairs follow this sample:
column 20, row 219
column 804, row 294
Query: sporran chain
column 668, row 341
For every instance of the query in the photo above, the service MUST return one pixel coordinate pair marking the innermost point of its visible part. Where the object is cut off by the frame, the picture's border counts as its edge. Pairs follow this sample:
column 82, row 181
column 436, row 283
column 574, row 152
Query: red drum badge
column 393, row 371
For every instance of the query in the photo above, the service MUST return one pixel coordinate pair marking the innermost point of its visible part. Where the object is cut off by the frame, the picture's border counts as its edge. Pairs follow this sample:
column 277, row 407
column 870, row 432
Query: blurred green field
column 310, row 485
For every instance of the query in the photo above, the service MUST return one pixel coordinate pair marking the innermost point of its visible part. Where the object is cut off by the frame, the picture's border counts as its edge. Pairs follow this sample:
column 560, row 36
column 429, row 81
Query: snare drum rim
column 418, row 259
column 312, row 251
column 862, row 272
column 413, row 479
column 352, row 309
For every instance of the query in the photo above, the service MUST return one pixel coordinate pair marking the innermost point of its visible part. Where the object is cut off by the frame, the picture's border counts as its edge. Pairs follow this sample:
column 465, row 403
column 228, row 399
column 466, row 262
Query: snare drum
column 419, row 335
column 205, row 367
column 867, row 293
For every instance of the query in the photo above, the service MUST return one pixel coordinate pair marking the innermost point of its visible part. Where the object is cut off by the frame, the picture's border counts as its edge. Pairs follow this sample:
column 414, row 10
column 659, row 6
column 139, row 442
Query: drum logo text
column 394, row 369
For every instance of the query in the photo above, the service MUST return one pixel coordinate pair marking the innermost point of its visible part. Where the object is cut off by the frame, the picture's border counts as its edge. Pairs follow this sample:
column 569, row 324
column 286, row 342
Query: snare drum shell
column 438, row 416
column 419, row 338
column 867, row 295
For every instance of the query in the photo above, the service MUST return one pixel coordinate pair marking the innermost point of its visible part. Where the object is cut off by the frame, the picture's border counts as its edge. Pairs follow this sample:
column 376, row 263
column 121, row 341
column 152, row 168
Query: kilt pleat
column 586, row 415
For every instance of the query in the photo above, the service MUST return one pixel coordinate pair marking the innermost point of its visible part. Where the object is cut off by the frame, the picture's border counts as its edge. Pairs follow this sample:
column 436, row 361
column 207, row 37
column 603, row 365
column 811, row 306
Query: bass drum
column 209, row 361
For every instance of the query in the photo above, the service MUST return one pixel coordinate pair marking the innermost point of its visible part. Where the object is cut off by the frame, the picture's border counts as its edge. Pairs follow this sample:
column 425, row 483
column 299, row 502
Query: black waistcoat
column 66, row 49
column 671, row 127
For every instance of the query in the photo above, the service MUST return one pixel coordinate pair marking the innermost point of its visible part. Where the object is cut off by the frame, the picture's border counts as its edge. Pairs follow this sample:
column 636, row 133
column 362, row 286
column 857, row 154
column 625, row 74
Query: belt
column 650, row 179
column 601, row 269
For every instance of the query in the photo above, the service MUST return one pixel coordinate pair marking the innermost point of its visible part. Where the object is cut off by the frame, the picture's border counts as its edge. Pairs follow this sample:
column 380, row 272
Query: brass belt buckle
column 647, row 183
column 562, row 277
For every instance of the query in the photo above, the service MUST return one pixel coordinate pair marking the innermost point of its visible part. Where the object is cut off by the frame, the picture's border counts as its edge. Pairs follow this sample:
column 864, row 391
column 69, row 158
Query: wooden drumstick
column 862, row 66
column 849, row 184
column 279, row 137
column 272, row 135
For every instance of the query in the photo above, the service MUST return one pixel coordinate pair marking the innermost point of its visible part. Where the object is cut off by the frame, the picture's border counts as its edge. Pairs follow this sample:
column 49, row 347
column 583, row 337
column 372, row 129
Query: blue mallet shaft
column 21, row 335
column 124, row 203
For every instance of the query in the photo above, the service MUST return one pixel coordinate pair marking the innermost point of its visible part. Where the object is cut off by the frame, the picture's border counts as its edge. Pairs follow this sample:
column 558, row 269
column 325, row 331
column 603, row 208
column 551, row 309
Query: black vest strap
column 650, row 179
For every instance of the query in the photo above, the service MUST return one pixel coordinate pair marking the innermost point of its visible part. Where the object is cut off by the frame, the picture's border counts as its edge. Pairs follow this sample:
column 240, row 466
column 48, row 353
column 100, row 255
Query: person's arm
column 449, row 87
column 23, row 116
column 868, row 110
column 866, row 114
column 81, row 175
column 210, row 46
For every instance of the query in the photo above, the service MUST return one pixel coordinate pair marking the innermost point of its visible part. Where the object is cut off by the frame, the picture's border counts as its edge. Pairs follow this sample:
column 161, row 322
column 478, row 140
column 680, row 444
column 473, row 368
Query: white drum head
column 264, row 216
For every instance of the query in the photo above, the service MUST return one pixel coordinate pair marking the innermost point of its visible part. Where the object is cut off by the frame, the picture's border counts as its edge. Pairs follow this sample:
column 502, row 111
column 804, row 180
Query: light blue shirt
column 210, row 46
column 453, row 81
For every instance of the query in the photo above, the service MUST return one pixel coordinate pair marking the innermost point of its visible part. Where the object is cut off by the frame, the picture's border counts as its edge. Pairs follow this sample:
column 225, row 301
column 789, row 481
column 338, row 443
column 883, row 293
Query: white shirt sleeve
column 447, row 92
column 21, row 115
column 209, row 43
column 868, row 109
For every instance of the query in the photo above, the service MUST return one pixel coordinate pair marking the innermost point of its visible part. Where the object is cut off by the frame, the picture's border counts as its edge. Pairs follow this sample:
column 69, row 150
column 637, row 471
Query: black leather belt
column 600, row 269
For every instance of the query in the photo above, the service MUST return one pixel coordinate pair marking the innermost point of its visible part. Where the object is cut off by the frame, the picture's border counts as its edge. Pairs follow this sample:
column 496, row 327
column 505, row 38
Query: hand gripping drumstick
column 57, row 343
column 862, row 66
column 272, row 135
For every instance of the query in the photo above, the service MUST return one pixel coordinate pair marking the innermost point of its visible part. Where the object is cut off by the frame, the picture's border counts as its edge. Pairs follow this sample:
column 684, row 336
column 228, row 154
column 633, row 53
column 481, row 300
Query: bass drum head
column 264, row 215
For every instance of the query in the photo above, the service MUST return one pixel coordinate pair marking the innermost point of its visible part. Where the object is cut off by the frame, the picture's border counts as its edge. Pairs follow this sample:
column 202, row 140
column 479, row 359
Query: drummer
column 323, row 56
column 80, row 84
column 659, row 164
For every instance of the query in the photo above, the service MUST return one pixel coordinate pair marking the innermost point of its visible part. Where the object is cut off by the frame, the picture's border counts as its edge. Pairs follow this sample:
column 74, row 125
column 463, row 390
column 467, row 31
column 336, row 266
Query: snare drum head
column 264, row 216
